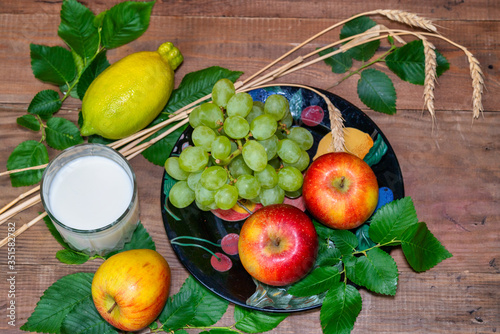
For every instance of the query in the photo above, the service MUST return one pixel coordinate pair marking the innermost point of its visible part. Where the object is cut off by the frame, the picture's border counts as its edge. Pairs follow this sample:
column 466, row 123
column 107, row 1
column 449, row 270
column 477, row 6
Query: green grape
column 222, row 91
column 202, row 207
column 248, row 186
column 174, row 170
column 203, row 136
column 240, row 104
column 221, row 148
column 275, row 163
column 193, row 159
column 194, row 117
column 238, row 167
column 211, row 115
column 290, row 178
column 181, row 195
column 274, row 195
column 277, row 106
column 254, row 155
column 271, row 146
column 287, row 121
column 268, row 178
column 257, row 110
column 236, row 127
column 204, row 196
column 226, row 197
column 289, row 151
column 302, row 137
column 213, row 177
column 263, row 127
column 294, row 194
column 302, row 163
column 193, row 180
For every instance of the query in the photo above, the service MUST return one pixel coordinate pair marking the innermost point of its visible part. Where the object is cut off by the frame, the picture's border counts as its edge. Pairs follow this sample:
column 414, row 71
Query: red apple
column 340, row 190
column 278, row 244
column 131, row 288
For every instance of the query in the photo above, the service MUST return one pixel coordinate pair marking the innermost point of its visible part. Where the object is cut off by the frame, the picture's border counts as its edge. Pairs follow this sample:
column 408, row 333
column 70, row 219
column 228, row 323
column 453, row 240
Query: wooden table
column 452, row 172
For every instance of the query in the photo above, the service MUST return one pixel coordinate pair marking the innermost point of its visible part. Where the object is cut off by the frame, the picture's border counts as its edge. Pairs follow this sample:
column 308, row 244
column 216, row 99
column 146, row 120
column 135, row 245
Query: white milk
column 90, row 192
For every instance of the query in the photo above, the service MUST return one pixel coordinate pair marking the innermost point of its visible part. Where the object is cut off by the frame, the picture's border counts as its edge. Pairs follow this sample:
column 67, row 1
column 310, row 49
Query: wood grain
column 452, row 172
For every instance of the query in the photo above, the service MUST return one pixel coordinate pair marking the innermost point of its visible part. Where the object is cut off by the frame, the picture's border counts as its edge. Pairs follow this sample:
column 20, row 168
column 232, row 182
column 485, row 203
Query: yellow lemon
column 357, row 142
column 129, row 94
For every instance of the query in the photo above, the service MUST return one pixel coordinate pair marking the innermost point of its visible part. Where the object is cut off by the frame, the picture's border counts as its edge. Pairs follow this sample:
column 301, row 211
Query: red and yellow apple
column 131, row 288
column 278, row 244
column 340, row 190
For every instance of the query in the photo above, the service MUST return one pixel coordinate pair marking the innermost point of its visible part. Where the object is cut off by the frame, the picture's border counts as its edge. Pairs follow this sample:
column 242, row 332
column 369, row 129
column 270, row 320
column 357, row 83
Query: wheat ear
column 430, row 77
column 410, row 19
column 477, row 84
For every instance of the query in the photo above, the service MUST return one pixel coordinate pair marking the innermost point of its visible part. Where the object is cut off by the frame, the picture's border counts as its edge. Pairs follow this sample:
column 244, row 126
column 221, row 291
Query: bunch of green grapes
column 243, row 149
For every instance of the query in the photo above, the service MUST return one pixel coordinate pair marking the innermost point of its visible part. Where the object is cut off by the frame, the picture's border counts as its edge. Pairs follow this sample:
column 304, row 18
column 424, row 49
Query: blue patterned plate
column 235, row 285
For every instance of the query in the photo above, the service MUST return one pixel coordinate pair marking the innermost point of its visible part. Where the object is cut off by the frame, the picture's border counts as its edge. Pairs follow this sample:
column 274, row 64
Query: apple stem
column 342, row 181
column 277, row 242
column 112, row 307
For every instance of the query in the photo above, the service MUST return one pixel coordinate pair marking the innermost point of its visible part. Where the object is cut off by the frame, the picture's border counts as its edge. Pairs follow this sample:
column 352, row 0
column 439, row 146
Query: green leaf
column 322, row 230
column 218, row 331
column 69, row 256
column 377, row 271
column 340, row 309
column 56, row 302
column 52, row 64
column 99, row 64
column 55, row 233
column 364, row 240
column 345, row 241
column 340, row 62
column 421, row 248
column 140, row 240
column 318, row 281
column 45, row 103
column 194, row 86
column 349, row 261
column 377, row 151
column 179, row 310
column 390, row 221
column 62, row 133
column 209, row 308
column 376, row 91
column 252, row 321
column 84, row 319
column 160, row 151
column 29, row 153
column 408, row 62
column 77, row 29
column 125, row 22
column 328, row 254
column 357, row 26
column 29, row 122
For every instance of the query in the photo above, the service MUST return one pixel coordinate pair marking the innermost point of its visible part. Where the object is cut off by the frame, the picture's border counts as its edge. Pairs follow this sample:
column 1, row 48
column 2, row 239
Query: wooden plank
column 207, row 47
column 440, row 9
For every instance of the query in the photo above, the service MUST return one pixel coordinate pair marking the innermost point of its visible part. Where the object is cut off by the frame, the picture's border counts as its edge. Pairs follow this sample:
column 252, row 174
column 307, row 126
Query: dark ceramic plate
column 235, row 285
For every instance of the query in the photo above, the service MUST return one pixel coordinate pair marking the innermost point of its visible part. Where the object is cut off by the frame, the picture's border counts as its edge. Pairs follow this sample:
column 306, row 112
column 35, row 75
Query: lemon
column 130, row 93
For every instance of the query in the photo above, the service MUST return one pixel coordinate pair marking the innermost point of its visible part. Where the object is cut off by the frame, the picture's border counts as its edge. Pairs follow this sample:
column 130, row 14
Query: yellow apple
column 131, row 288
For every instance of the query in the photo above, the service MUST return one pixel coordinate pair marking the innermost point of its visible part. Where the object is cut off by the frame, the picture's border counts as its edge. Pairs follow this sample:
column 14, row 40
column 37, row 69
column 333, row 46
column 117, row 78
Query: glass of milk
column 90, row 193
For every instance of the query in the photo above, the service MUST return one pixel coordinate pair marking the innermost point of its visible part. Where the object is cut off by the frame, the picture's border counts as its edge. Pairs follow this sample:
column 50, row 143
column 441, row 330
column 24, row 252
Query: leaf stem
column 379, row 59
